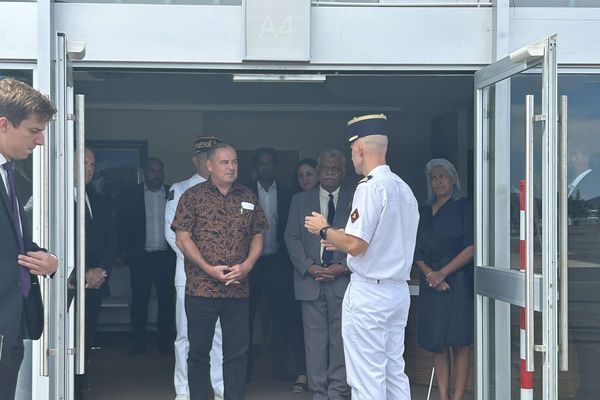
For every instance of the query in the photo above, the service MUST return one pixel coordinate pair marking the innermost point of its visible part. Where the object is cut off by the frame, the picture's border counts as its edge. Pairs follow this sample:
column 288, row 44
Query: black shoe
column 137, row 349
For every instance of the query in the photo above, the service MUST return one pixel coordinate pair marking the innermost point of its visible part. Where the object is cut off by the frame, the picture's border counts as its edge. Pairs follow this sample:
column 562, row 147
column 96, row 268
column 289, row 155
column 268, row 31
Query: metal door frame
column 495, row 284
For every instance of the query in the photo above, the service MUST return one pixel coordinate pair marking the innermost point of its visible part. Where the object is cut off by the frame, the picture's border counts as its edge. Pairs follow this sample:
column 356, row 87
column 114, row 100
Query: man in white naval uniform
column 379, row 238
column 201, row 147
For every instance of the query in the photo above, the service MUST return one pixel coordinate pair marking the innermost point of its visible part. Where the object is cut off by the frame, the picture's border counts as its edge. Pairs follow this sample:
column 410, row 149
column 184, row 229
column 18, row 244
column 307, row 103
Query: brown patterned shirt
column 222, row 228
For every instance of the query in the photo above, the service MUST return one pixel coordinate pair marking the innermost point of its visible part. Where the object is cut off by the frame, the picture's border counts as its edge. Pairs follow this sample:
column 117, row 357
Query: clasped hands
column 437, row 280
column 326, row 274
column 94, row 278
column 229, row 275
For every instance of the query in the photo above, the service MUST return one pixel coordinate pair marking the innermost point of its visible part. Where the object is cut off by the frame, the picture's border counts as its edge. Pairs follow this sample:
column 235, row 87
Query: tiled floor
column 113, row 375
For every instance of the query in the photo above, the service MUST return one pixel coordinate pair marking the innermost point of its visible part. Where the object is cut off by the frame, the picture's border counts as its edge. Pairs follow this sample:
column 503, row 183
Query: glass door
column 518, row 185
column 64, row 337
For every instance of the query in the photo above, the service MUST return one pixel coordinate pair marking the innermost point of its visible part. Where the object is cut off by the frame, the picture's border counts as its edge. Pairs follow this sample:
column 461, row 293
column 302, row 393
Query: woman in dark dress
column 444, row 254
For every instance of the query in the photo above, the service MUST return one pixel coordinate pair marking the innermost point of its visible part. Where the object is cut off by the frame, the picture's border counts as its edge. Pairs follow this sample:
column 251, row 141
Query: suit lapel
column 7, row 206
column 314, row 205
column 343, row 205
column 315, row 202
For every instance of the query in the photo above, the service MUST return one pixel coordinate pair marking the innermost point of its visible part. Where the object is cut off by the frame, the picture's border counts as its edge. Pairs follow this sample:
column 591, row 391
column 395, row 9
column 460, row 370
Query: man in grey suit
column 321, row 277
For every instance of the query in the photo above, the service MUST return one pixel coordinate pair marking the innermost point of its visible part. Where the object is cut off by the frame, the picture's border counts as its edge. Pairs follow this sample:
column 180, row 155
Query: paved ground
column 113, row 375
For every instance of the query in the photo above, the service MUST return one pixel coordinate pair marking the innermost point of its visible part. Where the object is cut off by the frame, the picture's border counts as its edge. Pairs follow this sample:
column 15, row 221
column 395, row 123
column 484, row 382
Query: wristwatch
column 323, row 232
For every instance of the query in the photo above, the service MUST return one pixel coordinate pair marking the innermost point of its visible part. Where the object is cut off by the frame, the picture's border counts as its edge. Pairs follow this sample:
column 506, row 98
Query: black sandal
column 299, row 387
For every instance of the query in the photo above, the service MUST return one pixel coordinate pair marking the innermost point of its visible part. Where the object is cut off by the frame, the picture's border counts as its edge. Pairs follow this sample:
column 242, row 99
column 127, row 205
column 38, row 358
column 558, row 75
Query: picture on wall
column 119, row 164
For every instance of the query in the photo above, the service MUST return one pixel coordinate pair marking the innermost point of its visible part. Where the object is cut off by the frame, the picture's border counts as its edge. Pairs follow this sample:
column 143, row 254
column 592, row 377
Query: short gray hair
column 450, row 170
column 216, row 147
column 332, row 153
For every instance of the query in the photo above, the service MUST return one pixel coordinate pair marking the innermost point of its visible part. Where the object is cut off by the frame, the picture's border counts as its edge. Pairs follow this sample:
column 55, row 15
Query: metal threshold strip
column 408, row 4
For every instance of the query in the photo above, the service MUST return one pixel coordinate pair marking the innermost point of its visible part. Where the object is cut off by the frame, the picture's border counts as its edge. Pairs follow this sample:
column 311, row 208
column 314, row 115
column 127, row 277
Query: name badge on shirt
column 246, row 206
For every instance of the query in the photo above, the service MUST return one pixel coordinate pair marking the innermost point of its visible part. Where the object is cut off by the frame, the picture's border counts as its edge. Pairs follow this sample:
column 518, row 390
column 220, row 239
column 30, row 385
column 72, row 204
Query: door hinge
column 71, row 351
column 540, row 348
column 72, row 117
column 539, row 117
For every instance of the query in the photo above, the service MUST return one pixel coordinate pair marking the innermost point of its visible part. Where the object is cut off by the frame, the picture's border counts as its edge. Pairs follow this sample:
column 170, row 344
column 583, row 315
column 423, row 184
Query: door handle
column 529, row 223
column 80, row 240
column 44, row 283
column 563, row 238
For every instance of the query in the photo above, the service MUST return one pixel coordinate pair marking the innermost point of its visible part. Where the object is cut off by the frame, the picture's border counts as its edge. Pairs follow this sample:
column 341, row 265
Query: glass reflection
column 583, row 92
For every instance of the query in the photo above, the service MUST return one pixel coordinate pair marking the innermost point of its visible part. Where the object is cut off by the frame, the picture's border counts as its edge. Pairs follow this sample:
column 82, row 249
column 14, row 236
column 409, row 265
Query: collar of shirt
column 324, row 200
column 3, row 175
column 578, row 179
column 161, row 190
column 197, row 178
column 234, row 187
column 89, row 206
column 324, row 194
column 380, row 169
column 268, row 190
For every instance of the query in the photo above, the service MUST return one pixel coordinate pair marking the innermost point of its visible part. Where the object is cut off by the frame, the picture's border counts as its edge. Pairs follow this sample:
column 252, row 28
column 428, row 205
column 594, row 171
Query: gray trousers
column 324, row 347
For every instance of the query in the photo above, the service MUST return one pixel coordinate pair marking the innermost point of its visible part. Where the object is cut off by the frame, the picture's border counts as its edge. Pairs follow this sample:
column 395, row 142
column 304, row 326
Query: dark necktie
column 14, row 210
column 328, row 254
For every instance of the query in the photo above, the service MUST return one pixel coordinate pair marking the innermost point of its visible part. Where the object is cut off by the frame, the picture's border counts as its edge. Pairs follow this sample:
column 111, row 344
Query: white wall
column 18, row 31
column 383, row 36
column 578, row 31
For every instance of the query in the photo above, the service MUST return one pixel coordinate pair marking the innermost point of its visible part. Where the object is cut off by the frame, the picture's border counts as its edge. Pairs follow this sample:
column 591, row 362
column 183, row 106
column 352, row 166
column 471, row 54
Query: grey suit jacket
column 304, row 248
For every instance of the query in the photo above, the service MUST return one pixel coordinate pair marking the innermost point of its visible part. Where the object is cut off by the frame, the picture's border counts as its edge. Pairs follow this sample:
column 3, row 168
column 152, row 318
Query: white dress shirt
column 3, row 161
column 385, row 214
column 324, row 203
column 155, row 219
column 4, row 175
column 268, row 201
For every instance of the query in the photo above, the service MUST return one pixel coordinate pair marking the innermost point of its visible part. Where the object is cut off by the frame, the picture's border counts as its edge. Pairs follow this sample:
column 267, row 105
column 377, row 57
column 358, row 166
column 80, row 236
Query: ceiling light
column 290, row 78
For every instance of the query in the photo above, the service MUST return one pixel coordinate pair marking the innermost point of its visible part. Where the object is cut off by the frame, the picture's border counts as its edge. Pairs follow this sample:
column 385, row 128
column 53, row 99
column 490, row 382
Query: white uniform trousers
column 373, row 321
column 182, row 347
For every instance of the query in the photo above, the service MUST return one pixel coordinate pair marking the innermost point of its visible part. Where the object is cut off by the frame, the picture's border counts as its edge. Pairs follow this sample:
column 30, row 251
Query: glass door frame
column 496, row 285
column 63, row 356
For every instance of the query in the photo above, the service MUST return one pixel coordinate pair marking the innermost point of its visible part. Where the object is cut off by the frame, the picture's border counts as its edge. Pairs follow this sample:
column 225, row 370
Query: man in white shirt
column 379, row 238
column 199, row 158
column 141, row 224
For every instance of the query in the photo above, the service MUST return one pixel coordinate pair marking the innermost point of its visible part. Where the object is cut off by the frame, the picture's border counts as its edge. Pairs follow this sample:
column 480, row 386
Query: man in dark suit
column 321, row 277
column 273, row 273
column 141, row 225
column 24, row 114
column 100, row 253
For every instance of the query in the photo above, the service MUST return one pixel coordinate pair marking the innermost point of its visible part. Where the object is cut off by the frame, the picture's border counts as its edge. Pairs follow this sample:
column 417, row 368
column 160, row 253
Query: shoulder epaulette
column 365, row 179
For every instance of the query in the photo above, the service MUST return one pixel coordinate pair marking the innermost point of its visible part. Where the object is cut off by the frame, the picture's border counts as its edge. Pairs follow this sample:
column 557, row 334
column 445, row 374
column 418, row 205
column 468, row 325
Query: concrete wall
column 340, row 36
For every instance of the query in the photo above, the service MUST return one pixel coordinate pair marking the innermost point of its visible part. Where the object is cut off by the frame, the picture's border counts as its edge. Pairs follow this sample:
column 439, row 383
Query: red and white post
column 526, row 377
